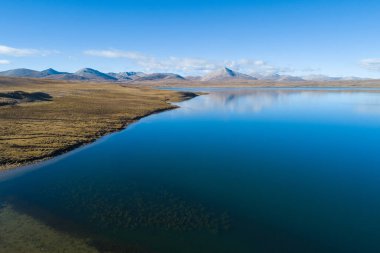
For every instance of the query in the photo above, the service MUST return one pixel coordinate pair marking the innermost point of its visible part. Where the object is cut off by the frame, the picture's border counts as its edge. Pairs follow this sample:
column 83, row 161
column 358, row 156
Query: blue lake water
column 237, row 170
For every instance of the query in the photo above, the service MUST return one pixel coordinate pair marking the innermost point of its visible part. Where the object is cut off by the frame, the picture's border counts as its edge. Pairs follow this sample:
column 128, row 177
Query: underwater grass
column 21, row 233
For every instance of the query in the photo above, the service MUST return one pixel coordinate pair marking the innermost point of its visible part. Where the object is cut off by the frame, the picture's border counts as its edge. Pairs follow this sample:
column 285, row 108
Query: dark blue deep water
column 237, row 170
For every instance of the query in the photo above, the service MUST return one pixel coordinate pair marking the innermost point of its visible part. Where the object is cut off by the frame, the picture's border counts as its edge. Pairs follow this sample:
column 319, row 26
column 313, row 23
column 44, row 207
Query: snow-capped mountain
column 226, row 74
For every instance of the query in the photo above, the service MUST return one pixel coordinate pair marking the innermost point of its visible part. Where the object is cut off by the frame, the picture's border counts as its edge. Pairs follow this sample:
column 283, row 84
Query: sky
column 330, row 37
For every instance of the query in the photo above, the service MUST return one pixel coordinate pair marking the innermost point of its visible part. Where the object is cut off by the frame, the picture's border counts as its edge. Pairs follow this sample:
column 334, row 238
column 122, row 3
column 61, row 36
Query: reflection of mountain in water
column 368, row 109
column 246, row 100
column 252, row 102
column 256, row 100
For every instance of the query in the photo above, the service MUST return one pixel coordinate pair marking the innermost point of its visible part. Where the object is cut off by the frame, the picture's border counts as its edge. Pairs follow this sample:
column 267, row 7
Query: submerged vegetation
column 147, row 209
column 124, row 205
column 22, row 233
column 116, row 215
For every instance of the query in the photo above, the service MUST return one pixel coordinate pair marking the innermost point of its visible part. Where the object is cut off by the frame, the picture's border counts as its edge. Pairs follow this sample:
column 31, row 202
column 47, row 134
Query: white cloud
column 151, row 63
column 20, row 52
column 255, row 67
column 3, row 62
column 187, row 65
column 371, row 64
column 111, row 53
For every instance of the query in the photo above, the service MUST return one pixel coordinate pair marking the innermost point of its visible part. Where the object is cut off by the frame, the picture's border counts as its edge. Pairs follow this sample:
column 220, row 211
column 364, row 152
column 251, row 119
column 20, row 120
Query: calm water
column 233, row 171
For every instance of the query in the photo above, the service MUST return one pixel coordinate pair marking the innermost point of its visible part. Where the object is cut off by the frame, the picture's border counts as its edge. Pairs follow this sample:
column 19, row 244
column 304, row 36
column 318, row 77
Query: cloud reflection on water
column 240, row 101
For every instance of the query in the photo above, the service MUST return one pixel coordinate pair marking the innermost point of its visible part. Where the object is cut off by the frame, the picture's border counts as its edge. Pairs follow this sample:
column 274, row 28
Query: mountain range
column 222, row 75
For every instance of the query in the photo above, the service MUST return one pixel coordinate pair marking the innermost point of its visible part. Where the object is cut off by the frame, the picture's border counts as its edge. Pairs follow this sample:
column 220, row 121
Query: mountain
column 95, row 75
column 266, row 77
column 315, row 78
column 278, row 78
column 288, row 78
column 160, row 76
column 57, row 75
column 126, row 76
column 47, row 73
column 193, row 78
column 21, row 73
column 323, row 78
column 353, row 78
column 88, row 74
column 226, row 74
column 67, row 77
column 119, row 76
column 50, row 71
column 320, row 78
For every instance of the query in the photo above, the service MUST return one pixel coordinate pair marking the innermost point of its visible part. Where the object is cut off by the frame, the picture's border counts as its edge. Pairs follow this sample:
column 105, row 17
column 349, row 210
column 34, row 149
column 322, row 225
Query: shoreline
column 8, row 167
column 77, row 114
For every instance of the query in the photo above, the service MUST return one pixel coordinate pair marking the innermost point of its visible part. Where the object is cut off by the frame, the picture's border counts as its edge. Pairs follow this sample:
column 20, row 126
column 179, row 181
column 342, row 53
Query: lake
column 237, row 170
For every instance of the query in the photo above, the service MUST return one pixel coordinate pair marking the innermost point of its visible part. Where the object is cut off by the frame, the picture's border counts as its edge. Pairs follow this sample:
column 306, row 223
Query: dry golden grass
column 78, row 113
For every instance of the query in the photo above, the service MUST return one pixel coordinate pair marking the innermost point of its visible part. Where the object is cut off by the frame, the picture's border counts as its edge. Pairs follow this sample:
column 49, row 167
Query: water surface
column 237, row 170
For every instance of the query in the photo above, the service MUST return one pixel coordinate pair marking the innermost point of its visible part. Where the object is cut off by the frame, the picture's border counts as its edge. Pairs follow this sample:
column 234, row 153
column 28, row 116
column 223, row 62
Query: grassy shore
column 49, row 117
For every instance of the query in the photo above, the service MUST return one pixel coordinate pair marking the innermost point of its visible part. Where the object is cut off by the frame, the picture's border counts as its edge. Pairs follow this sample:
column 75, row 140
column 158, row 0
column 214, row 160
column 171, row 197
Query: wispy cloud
column 111, row 53
column 151, row 63
column 187, row 65
column 3, row 62
column 255, row 67
column 371, row 64
column 21, row 52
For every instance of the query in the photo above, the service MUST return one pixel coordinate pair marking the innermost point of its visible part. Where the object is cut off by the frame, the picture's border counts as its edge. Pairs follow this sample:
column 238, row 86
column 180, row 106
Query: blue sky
column 337, row 38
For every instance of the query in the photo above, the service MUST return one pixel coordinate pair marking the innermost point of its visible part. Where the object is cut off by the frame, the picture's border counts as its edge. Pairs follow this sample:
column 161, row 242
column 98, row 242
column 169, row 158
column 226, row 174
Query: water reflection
column 239, row 101
column 371, row 109
column 256, row 100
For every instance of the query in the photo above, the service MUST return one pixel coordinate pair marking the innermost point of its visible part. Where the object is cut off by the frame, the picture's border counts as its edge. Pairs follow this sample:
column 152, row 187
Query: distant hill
column 159, row 76
column 193, row 78
column 278, row 78
column 287, row 78
column 353, row 78
column 50, row 71
column 93, row 74
column 21, row 73
column 127, row 76
column 67, row 77
column 226, row 74
column 324, row 78
column 266, row 77
column 321, row 78
column 81, row 75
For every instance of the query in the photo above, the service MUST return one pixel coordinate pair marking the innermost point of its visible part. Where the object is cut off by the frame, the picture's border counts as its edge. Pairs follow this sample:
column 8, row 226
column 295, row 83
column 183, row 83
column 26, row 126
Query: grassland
column 70, row 115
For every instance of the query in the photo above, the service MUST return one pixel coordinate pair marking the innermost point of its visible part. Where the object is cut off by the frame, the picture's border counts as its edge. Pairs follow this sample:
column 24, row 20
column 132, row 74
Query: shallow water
column 237, row 170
